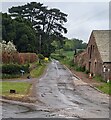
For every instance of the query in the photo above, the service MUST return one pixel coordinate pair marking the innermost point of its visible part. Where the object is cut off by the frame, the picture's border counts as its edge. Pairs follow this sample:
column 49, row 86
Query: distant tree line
column 70, row 44
column 33, row 27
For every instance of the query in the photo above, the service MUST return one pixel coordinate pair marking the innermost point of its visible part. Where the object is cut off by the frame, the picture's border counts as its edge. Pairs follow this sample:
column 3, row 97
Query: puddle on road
column 61, row 68
column 37, row 110
column 61, row 84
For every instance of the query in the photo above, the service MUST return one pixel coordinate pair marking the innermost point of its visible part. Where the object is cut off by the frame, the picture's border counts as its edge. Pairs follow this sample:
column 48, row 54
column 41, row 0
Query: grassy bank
column 65, row 57
column 38, row 71
column 104, row 87
column 21, row 88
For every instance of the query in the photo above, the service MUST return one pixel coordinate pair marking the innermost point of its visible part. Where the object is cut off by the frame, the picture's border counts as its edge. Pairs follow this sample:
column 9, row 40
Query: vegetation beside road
column 21, row 88
column 106, row 88
column 13, row 70
column 40, row 66
column 38, row 71
column 33, row 70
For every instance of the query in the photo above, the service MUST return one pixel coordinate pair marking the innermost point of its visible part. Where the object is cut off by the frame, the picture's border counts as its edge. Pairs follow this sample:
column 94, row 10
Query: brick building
column 97, row 56
column 80, row 59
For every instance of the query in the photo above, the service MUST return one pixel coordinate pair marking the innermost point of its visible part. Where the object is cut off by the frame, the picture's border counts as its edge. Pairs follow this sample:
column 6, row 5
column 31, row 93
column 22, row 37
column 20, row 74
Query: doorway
column 89, row 66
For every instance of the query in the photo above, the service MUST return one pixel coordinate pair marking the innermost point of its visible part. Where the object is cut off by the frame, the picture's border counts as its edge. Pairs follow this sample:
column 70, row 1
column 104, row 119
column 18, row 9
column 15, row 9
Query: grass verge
column 38, row 71
column 21, row 88
column 98, row 78
column 105, row 88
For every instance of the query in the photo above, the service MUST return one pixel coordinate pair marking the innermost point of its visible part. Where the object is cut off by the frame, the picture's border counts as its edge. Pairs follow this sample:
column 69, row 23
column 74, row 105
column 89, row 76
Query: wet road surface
column 60, row 97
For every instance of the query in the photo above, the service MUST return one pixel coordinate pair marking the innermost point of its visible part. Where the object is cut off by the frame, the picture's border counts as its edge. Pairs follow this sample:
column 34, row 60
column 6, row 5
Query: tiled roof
column 103, row 40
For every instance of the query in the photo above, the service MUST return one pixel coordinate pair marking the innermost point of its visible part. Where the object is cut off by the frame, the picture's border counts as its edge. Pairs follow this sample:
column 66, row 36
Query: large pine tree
column 47, row 23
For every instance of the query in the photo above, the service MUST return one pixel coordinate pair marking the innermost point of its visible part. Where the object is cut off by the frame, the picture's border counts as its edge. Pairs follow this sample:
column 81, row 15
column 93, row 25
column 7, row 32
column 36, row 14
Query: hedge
column 20, row 58
column 14, row 68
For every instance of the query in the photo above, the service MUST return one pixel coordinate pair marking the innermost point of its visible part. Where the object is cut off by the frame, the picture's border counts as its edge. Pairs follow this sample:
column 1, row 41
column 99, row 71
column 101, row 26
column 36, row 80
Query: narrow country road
column 59, row 96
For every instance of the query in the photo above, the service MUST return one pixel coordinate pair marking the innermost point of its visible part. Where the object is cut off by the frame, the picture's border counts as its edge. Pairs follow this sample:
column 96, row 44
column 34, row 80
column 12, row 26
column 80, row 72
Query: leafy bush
column 79, row 68
column 55, row 56
column 20, row 58
column 8, row 76
column 71, row 63
column 27, row 58
column 87, row 71
column 14, row 68
column 41, row 59
column 58, row 56
column 40, row 56
column 62, row 56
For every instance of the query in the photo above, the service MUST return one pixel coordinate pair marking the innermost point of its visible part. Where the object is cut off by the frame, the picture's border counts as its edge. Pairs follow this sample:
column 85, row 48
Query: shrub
column 10, row 58
column 14, row 68
column 21, row 58
column 71, row 63
column 62, row 56
column 40, row 56
column 27, row 58
column 80, row 69
column 87, row 71
column 55, row 56
column 8, row 76
column 58, row 56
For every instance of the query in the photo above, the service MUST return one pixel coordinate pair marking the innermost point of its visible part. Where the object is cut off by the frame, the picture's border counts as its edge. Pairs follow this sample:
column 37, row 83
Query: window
column 90, row 51
column 93, row 48
column 95, row 66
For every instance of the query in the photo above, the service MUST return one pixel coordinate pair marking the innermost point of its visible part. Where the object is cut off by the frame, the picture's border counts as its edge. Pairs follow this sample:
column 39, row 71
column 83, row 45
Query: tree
column 73, row 44
column 48, row 23
column 8, row 28
column 21, row 32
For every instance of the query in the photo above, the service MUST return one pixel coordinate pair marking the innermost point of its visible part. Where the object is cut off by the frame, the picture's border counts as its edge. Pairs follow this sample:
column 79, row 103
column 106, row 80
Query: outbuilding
column 98, row 54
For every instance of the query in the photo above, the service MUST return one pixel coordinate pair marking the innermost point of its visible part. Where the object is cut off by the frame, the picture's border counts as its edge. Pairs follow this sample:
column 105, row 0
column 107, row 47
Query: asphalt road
column 58, row 96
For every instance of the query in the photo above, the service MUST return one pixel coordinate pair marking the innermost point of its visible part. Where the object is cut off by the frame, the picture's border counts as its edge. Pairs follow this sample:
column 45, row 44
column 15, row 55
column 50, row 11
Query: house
column 97, row 56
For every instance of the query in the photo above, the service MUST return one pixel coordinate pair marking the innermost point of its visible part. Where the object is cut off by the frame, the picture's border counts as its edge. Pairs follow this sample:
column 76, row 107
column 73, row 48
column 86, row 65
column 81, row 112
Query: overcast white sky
column 83, row 17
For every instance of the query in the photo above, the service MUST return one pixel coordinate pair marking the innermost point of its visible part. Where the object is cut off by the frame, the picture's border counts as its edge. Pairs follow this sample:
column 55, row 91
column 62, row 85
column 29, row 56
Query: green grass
column 60, row 55
column 22, row 88
column 38, row 71
column 106, row 88
column 69, row 54
column 64, row 56
column 98, row 78
column 33, row 64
